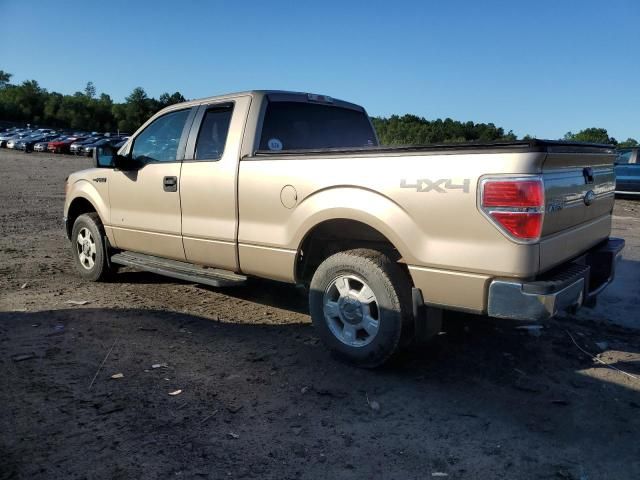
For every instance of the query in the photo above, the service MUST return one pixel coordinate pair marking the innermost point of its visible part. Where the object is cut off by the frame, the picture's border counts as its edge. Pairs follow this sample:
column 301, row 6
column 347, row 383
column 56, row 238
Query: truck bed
column 518, row 146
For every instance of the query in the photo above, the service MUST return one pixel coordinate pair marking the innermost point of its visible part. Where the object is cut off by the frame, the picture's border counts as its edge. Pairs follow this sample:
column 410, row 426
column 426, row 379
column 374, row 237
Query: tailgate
column 579, row 195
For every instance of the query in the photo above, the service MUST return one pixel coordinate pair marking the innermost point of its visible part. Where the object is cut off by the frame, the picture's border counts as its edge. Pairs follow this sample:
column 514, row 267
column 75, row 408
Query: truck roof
column 282, row 94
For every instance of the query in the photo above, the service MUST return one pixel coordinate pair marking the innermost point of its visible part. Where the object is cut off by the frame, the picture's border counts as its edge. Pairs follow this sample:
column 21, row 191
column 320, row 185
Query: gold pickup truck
column 294, row 187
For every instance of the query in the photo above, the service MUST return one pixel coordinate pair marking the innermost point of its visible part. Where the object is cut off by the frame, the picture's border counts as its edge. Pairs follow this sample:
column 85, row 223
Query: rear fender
column 359, row 204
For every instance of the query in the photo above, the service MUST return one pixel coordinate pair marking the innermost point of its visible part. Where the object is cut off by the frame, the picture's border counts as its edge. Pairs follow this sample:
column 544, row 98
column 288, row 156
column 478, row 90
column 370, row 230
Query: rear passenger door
column 208, row 184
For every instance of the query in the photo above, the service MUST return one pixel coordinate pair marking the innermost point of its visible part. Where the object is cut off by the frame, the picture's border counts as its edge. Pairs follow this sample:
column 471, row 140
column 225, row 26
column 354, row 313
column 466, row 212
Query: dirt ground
column 261, row 398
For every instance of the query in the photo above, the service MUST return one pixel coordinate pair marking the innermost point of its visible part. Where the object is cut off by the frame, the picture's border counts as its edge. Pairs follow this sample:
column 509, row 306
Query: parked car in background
column 5, row 137
column 62, row 145
column 7, row 132
column 120, row 142
column 44, row 131
column 628, row 171
column 77, row 147
column 13, row 142
column 88, row 148
column 28, row 143
column 22, row 143
column 41, row 146
column 12, row 137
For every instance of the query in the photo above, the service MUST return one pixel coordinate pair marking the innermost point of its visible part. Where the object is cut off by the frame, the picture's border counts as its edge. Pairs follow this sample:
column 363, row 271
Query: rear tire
column 360, row 306
column 88, row 248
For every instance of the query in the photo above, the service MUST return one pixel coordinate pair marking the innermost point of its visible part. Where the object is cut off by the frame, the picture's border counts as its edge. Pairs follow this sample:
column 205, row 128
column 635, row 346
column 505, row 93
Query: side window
column 159, row 141
column 213, row 133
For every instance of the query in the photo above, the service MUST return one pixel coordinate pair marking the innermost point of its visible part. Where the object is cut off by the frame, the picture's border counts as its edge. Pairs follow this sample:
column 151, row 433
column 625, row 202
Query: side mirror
column 106, row 156
column 125, row 163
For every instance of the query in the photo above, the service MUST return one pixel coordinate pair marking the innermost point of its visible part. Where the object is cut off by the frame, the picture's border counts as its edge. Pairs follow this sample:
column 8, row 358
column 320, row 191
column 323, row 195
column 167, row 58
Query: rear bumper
column 568, row 286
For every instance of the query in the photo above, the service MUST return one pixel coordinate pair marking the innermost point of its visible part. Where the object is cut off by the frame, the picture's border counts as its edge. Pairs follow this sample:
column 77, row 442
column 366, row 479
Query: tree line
column 28, row 102
column 414, row 130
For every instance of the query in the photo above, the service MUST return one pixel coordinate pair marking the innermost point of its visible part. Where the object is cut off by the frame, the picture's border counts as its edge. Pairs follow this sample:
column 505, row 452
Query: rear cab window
column 297, row 123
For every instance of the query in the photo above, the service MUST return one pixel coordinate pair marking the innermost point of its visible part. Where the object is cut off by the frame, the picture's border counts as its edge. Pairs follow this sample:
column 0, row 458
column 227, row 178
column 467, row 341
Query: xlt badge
column 100, row 179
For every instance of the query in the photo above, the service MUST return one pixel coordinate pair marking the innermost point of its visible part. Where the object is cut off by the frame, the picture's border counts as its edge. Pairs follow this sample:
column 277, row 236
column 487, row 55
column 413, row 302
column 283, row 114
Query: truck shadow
column 620, row 302
column 483, row 381
column 501, row 344
column 266, row 292
column 616, row 305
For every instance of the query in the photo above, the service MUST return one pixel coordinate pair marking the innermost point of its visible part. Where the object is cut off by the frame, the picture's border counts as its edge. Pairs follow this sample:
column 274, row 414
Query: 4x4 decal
column 440, row 186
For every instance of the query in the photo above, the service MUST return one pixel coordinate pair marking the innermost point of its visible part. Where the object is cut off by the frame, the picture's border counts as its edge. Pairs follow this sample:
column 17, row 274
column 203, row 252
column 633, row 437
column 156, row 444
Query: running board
column 181, row 270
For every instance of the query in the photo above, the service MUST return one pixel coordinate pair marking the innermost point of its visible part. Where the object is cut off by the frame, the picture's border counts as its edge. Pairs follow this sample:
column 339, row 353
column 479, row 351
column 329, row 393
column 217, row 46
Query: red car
column 61, row 145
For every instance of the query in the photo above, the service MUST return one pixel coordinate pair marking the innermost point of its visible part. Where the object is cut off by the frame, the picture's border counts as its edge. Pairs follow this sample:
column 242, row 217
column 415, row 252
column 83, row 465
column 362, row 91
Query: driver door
column 145, row 202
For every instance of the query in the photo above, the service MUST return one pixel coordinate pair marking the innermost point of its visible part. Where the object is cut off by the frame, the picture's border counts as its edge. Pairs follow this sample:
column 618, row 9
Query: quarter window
column 159, row 141
column 213, row 133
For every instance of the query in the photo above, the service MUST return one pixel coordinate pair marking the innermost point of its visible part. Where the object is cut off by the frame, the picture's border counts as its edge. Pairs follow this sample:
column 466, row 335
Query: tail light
column 515, row 206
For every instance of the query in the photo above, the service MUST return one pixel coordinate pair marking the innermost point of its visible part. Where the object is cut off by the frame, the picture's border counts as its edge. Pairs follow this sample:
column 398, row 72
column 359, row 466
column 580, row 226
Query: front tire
column 360, row 305
column 87, row 248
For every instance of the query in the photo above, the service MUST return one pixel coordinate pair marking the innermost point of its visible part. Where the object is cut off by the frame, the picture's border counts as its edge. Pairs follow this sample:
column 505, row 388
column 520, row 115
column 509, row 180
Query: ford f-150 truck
column 294, row 187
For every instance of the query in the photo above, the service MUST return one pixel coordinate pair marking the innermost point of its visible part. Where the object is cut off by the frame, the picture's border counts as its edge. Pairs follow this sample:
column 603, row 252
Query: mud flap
column 427, row 320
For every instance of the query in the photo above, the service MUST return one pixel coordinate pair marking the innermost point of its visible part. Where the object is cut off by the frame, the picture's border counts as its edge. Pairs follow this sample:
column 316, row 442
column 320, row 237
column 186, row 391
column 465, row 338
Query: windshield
column 302, row 125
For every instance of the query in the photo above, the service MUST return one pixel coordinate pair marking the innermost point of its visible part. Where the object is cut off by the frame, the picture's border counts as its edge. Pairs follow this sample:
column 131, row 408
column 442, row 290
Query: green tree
column 52, row 108
column 592, row 135
column 90, row 90
column 5, row 78
column 30, row 99
column 165, row 99
column 629, row 142
column 103, row 107
column 138, row 107
column 411, row 129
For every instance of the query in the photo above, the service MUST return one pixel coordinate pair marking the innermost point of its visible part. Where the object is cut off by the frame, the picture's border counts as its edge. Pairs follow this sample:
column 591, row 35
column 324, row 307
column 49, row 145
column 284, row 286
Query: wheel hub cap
column 86, row 248
column 351, row 310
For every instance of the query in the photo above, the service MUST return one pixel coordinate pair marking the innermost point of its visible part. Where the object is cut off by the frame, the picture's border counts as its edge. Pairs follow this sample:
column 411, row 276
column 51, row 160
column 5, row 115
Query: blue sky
column 539, row 67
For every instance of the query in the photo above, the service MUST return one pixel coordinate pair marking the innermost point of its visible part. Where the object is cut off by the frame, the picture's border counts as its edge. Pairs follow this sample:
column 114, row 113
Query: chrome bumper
column 569, row 286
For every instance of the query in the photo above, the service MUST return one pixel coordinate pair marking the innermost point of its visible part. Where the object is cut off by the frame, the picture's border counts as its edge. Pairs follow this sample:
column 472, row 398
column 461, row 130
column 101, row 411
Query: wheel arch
column 349, row 217
column 83, row 199
column 335, row 235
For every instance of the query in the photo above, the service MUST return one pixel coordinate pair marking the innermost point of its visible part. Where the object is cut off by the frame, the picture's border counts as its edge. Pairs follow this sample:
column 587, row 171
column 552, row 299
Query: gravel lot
column 261, row 398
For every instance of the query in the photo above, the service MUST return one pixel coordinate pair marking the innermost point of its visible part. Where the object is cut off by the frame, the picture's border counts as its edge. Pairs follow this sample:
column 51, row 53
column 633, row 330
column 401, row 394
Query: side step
column 181, row 270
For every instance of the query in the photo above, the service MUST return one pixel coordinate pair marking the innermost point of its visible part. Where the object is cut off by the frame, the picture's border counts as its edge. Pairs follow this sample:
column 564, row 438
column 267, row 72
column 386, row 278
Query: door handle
column 170, row 184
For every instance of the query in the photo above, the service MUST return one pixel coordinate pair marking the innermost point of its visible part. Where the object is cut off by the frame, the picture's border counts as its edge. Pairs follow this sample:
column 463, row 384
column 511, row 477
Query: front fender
column 95, row 195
